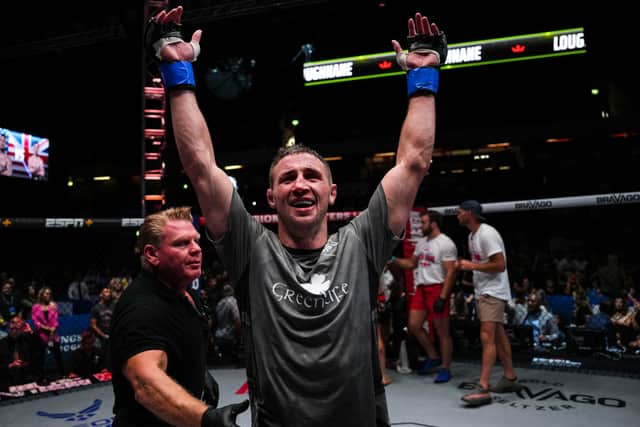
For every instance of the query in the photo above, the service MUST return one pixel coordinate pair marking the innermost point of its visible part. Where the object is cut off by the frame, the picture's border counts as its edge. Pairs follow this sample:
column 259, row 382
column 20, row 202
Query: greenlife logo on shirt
column 323, row 293
column 318, row 285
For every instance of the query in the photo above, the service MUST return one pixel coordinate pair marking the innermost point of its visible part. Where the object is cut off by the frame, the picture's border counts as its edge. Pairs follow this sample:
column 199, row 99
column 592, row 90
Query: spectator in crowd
column 622, row 321
column 622, row 313
column 86, row 360
column 521, row 289
column 460, row 305
column 19, row 354
column 634, row 344
column 213, row 290
column 550, row 286
column 45, row 320
column 582, row 309
column 9, row 300
column 610, row 277
column 78, row 289
column 30, row 297
column 227, row 324
column 543, row 324
column 116, row 286
column 100, row 322
column 601, row 320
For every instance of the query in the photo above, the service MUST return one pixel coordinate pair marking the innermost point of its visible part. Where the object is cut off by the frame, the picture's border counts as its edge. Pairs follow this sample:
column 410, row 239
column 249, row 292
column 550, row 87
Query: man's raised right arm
column 195, row 147
column 211, row 184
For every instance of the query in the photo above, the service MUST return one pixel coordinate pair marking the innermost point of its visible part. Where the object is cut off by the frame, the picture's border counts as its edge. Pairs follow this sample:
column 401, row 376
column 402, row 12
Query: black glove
column 211, row 392
column 423, row 43
column 157, row 35
column 225, row 416
column 438, row 306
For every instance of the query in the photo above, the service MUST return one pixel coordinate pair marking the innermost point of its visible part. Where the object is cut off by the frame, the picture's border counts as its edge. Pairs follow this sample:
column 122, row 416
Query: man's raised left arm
column 427, row 51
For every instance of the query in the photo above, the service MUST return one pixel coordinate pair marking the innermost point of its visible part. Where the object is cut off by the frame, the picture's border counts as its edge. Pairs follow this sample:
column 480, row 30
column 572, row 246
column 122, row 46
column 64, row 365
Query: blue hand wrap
column 177, row 75
column 423, row 78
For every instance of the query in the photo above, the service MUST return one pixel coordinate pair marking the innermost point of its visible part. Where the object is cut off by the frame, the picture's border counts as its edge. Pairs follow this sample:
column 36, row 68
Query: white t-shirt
column 431, row 253
column 486, row 241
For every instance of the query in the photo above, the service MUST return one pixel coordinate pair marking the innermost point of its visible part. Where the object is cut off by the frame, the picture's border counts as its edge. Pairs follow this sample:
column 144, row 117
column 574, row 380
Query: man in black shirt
column 99, row 324
column 308, row 298
column 159, row 334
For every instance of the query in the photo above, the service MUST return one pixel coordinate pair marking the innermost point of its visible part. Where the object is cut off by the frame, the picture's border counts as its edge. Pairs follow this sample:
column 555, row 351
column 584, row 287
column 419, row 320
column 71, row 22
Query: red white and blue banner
column 29, row 154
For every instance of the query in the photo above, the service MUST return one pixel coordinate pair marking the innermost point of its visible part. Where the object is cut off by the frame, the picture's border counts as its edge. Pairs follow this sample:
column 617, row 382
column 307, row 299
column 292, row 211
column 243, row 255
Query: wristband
column 177, row 75
column 422, row 79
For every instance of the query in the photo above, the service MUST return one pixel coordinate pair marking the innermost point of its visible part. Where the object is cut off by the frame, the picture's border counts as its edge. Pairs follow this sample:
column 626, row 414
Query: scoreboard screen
column 460, row 55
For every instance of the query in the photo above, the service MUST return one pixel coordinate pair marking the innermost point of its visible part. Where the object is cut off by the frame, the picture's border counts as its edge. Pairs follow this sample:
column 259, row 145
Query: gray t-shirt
column 310, row 323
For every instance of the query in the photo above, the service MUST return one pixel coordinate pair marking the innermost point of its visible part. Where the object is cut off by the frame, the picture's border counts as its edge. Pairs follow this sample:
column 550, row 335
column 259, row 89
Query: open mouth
column 302, row 204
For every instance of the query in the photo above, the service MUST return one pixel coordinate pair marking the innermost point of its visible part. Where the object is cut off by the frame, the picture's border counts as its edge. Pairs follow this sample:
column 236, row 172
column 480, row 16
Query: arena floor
column 551, row 397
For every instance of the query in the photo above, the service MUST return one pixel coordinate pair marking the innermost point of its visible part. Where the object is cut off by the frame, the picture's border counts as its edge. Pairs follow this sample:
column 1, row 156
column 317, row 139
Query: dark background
column 75, row 73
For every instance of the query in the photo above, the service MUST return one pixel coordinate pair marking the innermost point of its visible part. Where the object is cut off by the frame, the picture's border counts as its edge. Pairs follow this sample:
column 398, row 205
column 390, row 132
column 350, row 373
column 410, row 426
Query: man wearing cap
column 491, row 282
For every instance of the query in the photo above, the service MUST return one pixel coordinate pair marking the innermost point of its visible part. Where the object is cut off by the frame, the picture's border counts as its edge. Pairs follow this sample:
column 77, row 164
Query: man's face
column 301, row 192
column 178, row 258
column 16, row 327
column 464, row 217
column 7, row 288
column 106, row 294
column 533, row 305
column 425, row 225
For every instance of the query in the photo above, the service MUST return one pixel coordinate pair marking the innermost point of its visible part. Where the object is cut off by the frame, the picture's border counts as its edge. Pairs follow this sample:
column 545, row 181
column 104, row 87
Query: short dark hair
column 434, row 216
column 296, row 149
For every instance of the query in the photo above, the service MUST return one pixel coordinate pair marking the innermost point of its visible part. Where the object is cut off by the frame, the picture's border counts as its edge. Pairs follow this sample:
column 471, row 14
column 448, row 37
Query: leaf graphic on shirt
column 318, row 285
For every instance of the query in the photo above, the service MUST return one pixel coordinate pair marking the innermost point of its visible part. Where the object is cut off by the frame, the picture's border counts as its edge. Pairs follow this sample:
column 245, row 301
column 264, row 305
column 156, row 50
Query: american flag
column 22, row 146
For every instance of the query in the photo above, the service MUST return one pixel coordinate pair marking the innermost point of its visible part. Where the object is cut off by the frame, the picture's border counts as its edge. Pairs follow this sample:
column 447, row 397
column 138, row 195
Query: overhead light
column 185, row 186
column 595, row 91
column 446, row 153
column 233, row 167
column 499, row 145
column 463, row 152
column 333, row 158
column 101, row 178
column 387, row 154
column 555, row 140
column 70, row 182
column 504, row 168
column 295, row 122
column 623, row 134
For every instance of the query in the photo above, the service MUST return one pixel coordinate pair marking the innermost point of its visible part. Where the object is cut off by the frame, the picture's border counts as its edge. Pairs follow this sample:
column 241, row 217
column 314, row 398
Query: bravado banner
column 512, row 206
column 469, row 54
